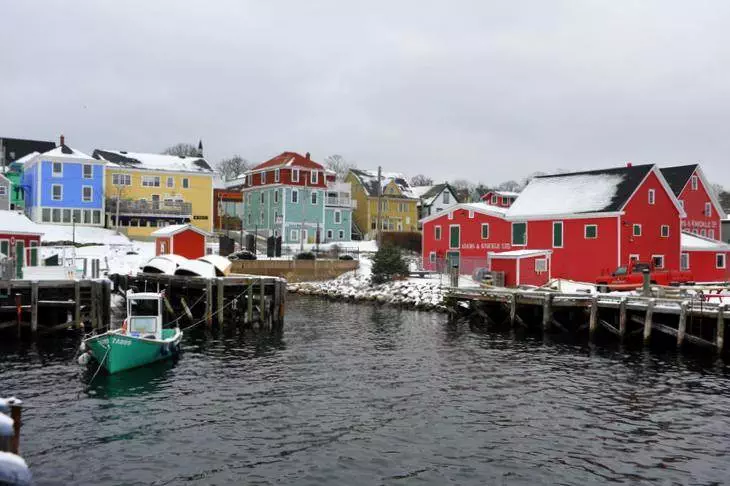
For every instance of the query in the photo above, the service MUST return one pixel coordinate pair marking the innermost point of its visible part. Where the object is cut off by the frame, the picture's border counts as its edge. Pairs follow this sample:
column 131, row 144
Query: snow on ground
column 114, row 258
column 364, row 246
column 84, row 234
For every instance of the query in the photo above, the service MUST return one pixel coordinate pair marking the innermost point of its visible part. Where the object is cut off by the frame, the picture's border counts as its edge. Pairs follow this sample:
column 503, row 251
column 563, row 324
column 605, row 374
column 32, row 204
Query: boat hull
column 118, row 352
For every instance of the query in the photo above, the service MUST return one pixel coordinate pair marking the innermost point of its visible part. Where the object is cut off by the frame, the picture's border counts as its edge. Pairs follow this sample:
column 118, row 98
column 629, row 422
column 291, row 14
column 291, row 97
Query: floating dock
column 240, row 300
column 685, row 319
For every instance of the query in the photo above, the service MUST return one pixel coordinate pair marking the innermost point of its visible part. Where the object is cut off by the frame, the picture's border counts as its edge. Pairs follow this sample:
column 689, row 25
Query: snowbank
column 84, row 234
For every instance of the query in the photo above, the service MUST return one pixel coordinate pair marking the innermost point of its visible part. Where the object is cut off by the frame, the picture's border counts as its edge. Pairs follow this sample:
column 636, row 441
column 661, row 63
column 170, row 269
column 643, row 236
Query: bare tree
column 421, row 180
column 339, row 165
column 232, row 167
column 512, row 186
column 185, row 149
column 463, row 189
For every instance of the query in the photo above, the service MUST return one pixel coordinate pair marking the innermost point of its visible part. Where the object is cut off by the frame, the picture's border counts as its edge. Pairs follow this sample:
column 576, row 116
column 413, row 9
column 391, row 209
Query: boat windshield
column 146, row 307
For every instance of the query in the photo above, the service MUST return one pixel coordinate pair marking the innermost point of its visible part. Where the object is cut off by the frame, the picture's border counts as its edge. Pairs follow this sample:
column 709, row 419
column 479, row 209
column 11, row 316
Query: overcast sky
column 481, row 90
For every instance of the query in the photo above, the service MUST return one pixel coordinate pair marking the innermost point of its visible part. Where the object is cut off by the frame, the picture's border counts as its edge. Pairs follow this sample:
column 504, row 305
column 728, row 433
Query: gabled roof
column 369, row 181
column 174, row 229
column 588, row 192
column 677, row 177
column 18, row 223
column 478, row 207
column 694, row 242
column 428, row 194
column 20, row 147
column 21, row 161
column 156, row 162
column 67, row 152
column 289, row 159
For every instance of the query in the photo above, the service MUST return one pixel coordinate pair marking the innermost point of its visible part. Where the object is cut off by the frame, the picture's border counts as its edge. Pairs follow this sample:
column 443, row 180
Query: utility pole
column 303, row 230
column 119, row 196
column 380, row 210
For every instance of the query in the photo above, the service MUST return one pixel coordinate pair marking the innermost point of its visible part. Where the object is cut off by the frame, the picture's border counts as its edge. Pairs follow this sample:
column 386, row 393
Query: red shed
column 180, row 239
column 502, row 199
column 464, row 233
column 705, row 258
column 698, row 199
column 522, row 267
column 595, row 221
column 19, row 239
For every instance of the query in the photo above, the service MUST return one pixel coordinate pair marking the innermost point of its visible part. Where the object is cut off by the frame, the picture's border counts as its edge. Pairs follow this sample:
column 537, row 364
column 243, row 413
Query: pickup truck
column 631, row 277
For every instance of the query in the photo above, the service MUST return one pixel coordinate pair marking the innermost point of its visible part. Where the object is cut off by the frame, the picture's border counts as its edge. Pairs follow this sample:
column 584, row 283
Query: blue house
column 63, row 186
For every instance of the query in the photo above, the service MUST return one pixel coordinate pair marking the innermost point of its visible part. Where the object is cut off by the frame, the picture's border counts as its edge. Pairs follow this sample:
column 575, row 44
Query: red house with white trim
column 705, row 258
column 704, row 212
column 180, row 239
column 595, row 221
column 503, row 199
column 20, row 238
column 464, row 233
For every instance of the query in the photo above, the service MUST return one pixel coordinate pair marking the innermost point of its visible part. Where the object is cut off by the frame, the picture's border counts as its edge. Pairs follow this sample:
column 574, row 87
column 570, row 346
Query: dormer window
column 295, row 175
column 314, row 177
column 695, row 182
column 277, row 175
column 652, row 196
column 263, row 177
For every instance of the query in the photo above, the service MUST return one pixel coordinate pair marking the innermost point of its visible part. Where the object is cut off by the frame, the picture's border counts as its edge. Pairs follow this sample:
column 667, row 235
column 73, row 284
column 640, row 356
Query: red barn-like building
column 704, row 212
column 705, row 258
column 20, row 238
column 503, row 199
column 464, row 233
column 180, row 239
column 595, row 221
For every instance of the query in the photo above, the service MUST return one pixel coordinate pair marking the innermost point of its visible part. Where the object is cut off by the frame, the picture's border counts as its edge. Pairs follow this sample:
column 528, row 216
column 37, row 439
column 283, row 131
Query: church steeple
column 200, row 148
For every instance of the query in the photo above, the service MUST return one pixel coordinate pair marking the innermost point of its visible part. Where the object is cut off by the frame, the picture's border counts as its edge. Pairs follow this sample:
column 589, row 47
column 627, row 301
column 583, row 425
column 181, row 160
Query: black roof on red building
column 678, row 176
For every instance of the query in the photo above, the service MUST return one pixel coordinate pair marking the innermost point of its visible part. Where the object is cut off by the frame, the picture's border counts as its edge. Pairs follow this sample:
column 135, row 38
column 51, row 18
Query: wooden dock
column 684, row 320
column 45, row 306
column 240, row 300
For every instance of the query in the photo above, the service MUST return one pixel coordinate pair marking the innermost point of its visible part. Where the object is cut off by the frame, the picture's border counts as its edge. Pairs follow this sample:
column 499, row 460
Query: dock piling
column 221, row 299
column 720, row 331
column 209, row 302
column 622, row 318
column 34, row 307
column 547, row 311
column 682, row 329
column 648, row 320
column 593, row 319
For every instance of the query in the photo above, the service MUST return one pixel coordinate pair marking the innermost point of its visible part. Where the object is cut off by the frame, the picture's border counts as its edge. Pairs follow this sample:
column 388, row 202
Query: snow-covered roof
column 429, row 194
column 66, row 152
column 519, row 253
column 174, row 229
column 369, row 180
column 289, row 159
column 692, row 242
column 506, row 193
column 17, row 223
column 24, row 159
column 157, row 162
column 222, row 264
column 581, row 193
column 196, row 268
column 478, row 207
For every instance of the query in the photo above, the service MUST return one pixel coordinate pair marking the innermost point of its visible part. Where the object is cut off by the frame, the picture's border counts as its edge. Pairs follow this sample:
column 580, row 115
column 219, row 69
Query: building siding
column 694, row 205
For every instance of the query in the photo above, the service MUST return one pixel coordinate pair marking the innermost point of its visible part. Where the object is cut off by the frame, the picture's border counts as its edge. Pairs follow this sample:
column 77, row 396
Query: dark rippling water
column 352, row 394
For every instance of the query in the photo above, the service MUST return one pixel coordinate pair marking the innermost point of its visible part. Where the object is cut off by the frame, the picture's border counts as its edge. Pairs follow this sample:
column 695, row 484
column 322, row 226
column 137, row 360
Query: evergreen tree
column 387, row 264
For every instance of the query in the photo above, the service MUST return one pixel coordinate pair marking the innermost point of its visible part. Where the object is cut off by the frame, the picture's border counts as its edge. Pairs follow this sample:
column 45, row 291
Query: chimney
column 307, row 156
column 629, row 165
column 62, row 140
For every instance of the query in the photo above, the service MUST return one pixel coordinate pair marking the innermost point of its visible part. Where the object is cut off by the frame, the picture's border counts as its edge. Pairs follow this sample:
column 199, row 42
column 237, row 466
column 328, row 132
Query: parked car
column 631, row 276
column 242, row 255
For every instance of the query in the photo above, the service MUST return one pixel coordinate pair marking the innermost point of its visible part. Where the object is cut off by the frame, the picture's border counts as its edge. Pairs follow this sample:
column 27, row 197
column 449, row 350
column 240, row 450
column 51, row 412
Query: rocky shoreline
column 426, row 295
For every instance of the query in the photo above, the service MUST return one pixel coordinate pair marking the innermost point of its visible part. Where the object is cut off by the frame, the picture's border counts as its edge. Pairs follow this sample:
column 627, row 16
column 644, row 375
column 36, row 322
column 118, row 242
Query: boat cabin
column 144, row 315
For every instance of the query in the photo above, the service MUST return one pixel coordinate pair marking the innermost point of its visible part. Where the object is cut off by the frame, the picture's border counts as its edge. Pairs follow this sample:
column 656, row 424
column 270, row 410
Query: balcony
column 340, row 201
column 143, row 207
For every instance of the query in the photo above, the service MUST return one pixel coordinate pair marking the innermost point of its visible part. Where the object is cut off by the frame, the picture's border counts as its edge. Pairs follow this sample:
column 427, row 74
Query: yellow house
column 148, row 191
column 399, row 208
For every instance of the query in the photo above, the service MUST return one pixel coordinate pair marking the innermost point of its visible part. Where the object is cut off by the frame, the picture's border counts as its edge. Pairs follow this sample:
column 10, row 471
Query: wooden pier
column 45, row 306
column 239, row 300
column 684, row 320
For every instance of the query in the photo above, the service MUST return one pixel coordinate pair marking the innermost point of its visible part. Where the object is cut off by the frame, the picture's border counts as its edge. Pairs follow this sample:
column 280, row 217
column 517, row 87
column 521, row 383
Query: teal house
column 298, row 199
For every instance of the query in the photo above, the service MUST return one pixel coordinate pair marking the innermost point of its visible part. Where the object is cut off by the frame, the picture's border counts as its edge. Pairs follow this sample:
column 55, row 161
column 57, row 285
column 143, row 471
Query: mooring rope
column 231, row 302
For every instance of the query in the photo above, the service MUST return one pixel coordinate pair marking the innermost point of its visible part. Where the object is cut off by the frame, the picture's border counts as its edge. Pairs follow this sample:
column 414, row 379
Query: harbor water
column 357, row 394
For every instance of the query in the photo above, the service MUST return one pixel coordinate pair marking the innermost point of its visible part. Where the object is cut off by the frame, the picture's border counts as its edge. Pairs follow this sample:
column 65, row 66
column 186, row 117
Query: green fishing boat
column 141, row 339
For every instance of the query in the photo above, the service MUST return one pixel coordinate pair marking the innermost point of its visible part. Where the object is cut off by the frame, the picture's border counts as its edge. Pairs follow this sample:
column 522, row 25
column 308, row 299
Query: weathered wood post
column 77, row 303
column 512, row 309
column 646, row 287
column 34, row 306
column 593, row 319
column 209, row 302
column 720, row 331
column 94, row 305
column 19, row 311
column 682, row 329
column 249, row 298
column 262, row 301
column 547, row 311
column 277, row 303
column 647, row 320
column 622, row 318
column 221, row 300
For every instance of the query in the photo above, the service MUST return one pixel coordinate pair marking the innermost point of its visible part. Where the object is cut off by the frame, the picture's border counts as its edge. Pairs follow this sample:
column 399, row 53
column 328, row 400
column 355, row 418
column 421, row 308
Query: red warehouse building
column 595, row 221
column 705, row 258
column 180, row 239
column 522, row 267
column 503, row 199
column 704, row 212
column 464, row 233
